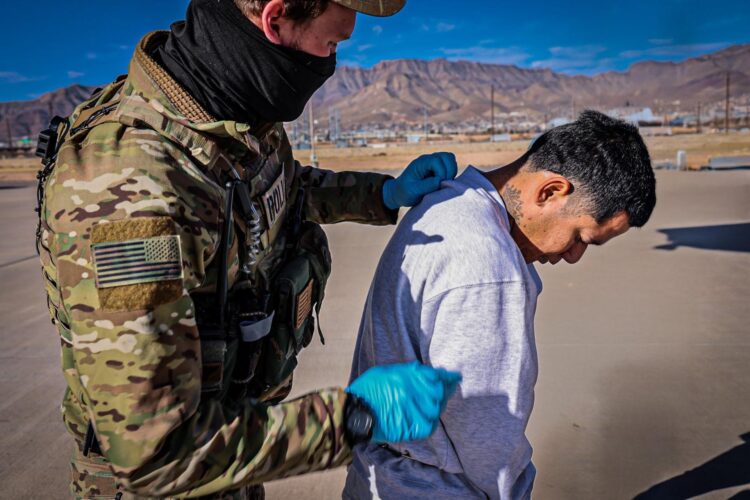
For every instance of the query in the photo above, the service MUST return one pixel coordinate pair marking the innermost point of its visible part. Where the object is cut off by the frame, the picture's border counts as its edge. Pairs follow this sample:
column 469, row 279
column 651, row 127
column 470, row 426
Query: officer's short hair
column 607, row 162
column 296, row 10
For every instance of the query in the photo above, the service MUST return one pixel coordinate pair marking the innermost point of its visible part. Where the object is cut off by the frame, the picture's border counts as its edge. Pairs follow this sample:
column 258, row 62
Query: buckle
column 47, row 142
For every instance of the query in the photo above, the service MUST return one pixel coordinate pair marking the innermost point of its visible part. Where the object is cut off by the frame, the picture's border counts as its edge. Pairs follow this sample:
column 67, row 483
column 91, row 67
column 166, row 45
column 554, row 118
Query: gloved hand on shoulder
column 421, row 177
column 406, row 399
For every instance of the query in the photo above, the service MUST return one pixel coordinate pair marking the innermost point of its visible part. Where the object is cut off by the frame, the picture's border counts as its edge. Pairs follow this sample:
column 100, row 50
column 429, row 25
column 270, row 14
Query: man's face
column 551, row 238
column 551, row 226
column 319, row 36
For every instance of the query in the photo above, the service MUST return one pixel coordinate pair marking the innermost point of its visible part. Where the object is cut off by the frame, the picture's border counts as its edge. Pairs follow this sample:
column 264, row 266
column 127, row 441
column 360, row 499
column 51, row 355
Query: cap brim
column 379, row 8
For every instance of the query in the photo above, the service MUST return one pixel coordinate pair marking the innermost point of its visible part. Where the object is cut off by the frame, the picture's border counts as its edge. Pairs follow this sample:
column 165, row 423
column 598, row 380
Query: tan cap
column 380, row 8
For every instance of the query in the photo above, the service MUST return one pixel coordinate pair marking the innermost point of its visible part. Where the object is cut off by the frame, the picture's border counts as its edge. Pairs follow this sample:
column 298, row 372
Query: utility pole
column 313, row 156
column 492, row 113
column 698, row 119
column 573, row 104
column 424, row 123
column 7, row 128
column 726, row 108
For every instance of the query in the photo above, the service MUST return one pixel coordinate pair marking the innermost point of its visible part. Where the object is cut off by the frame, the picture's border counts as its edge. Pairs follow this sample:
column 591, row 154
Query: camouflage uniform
column 144, row 163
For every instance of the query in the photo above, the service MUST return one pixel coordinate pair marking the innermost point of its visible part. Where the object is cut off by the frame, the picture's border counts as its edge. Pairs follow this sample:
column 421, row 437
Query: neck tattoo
column 513, row 204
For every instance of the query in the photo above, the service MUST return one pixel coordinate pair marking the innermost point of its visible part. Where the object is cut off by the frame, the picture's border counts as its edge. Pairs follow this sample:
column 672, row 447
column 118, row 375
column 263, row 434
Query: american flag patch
column 131, row 262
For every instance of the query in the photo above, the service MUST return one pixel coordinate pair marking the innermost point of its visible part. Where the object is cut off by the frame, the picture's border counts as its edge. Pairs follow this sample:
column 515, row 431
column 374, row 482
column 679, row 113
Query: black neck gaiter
column 234, row 72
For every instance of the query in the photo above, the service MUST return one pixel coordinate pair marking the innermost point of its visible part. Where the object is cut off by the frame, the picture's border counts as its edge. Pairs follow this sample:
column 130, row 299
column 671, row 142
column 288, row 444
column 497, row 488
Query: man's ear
column 553, row 188
column 271, row 20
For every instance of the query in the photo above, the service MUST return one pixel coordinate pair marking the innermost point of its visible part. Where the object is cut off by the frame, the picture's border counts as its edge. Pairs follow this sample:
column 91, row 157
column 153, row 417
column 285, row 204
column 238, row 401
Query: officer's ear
column 272, row 21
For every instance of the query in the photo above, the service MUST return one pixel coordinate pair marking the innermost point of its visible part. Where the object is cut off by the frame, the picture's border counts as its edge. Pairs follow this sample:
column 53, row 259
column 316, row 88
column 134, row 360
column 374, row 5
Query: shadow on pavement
column 730, row 469
column 730, row 237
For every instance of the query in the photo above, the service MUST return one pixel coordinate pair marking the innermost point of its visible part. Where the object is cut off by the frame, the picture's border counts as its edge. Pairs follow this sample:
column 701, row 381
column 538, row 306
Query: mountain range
column 443, row 91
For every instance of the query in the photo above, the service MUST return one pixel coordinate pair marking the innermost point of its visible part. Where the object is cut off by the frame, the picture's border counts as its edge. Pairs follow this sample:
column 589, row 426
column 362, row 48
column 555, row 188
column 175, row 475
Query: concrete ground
column 644, row 350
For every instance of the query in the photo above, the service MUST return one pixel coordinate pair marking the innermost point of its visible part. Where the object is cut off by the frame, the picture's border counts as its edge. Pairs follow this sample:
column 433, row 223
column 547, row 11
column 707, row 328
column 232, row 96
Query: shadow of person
column 729, row 237
column 730, row 469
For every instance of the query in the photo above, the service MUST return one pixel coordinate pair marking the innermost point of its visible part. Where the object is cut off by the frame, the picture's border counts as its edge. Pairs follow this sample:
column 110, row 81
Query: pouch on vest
column 298, row 290
column 251, row 319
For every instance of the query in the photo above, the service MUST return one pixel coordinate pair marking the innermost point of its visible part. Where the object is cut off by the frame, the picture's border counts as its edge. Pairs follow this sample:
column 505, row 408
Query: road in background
column 643, row 351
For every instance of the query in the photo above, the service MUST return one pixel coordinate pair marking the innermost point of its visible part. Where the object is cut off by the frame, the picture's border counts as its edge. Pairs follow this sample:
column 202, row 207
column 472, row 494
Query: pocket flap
column 252, row 331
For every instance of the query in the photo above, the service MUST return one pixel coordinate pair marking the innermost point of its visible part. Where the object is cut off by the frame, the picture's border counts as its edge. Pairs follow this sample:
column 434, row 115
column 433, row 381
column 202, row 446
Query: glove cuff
column 388, row 195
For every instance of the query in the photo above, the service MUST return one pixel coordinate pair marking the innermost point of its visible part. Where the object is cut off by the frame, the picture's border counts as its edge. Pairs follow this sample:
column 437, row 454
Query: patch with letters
column 274, row 200
column 131, row 262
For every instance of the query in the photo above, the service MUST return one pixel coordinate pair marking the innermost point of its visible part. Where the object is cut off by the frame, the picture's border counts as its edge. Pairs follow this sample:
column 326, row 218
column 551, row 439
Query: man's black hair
column 606, row 161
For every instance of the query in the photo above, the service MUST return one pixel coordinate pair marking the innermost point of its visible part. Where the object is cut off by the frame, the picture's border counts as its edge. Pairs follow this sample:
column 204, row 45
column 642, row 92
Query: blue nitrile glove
column 421, row 177
column 406, row 399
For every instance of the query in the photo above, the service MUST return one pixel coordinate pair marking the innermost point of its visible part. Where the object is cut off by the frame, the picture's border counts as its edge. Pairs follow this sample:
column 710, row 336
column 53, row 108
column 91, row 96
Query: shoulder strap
column 135, row 111
column 85, row 116
column 90, row 113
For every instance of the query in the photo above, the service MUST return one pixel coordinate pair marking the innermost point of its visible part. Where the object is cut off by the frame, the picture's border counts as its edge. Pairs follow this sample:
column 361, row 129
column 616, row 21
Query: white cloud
column 497, row 55
column 683, row 50
column 344, row 45
column 576, row 59
column 91, row 55
column 578, row 51
column 435, row 26
column 377, row 29
column 352, row 63
column 660, row 41
column 364, row 47
column 75, row 74
column 12, row 77
column 16, row 77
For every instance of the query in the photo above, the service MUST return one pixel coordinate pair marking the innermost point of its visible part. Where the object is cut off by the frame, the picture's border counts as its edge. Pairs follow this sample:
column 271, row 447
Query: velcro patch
column 131, row 262
column 304, row 305
column 274, row 200
column 138, row 263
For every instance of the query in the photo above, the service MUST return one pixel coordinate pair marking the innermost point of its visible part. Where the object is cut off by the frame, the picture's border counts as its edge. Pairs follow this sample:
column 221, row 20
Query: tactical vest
column 253, row 327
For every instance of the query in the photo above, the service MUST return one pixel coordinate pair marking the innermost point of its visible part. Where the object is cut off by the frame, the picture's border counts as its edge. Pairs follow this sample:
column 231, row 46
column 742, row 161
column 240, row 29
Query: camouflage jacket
column 148, row 169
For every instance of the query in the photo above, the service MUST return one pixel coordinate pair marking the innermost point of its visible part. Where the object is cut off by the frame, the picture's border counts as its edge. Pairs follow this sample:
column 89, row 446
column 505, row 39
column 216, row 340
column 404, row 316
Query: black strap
column 90, row 443
column 222, row 281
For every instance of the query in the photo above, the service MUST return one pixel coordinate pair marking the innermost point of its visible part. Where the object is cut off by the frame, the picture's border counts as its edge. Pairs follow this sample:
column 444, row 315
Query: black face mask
column 229, row 66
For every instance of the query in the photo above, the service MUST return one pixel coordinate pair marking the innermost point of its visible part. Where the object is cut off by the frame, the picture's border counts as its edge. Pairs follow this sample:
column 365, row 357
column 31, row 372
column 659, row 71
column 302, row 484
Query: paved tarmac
column 644, row 350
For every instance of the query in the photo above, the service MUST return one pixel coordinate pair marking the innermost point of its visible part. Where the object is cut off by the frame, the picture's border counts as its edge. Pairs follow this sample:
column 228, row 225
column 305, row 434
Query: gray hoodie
column 453, row 290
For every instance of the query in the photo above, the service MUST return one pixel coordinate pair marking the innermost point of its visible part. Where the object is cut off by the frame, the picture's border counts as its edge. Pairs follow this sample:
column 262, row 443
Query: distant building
column 643, row 116
column 556, row 122
column 500, row 138
column 653, row 131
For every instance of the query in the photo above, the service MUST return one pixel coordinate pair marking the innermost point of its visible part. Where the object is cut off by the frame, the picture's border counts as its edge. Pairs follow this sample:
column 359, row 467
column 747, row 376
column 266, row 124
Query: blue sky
column 50, row 44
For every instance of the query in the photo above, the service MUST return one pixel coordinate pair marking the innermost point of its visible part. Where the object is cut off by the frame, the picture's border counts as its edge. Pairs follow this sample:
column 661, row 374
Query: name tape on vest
column 274, row 200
